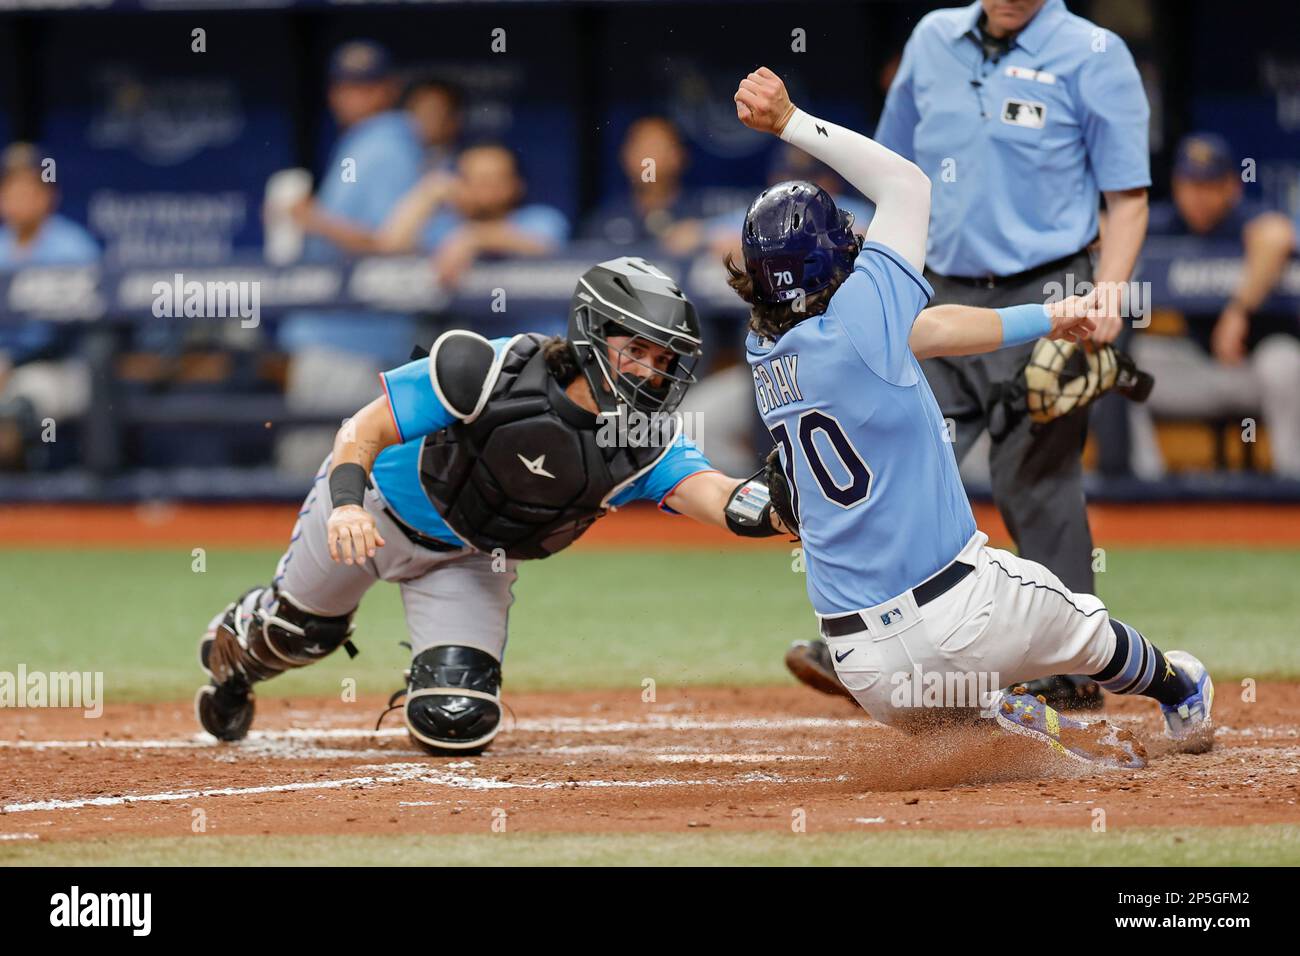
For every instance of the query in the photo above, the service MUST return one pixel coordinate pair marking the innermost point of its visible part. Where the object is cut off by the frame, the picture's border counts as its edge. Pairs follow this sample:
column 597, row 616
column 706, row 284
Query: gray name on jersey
column 776, row 382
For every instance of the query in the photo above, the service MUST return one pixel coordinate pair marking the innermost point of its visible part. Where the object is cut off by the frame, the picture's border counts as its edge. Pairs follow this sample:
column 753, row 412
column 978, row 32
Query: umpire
column 1021, row 114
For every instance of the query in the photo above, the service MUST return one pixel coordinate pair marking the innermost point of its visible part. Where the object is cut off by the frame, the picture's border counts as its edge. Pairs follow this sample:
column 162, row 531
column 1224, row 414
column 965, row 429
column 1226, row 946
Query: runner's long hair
column 773, row 321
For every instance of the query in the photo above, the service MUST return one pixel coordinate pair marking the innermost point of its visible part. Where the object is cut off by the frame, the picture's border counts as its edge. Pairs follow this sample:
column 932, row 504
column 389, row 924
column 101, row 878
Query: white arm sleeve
column 900, row 191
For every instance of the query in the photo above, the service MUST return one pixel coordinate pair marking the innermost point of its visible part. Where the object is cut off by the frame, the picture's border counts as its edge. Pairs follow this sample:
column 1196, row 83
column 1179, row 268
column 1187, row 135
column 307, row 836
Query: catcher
column 475, row 457
column 905, row 587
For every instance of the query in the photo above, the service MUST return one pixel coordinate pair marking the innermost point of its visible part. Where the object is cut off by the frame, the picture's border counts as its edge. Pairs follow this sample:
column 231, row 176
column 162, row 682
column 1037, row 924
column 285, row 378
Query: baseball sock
column 1138, row 667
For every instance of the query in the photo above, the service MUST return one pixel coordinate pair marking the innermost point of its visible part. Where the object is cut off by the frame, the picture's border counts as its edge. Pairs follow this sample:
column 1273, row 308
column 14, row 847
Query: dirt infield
column 640, row 526
column 730, row 759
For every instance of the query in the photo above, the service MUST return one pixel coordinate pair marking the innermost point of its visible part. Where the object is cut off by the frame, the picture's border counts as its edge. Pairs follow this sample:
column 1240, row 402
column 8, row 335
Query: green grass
column 1153, row 846
column 586, row 619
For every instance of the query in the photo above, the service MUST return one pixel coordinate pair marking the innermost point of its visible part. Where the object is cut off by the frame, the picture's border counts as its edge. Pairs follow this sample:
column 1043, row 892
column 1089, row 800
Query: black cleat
column 225, row 710
column 1067, row 692
column 453, row 700
column 225, row 706
column 810, row 662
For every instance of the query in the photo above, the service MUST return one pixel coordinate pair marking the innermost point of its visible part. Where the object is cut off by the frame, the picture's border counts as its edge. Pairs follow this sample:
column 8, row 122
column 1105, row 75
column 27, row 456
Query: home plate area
column 603, row 761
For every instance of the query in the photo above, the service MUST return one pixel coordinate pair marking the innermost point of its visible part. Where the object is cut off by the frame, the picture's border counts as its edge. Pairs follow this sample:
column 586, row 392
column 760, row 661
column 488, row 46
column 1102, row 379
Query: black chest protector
column 531, row 473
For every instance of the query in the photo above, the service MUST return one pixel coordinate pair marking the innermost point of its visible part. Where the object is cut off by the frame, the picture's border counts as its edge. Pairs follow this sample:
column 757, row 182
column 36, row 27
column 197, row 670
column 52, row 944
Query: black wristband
column 762, row 529
column 348, row 484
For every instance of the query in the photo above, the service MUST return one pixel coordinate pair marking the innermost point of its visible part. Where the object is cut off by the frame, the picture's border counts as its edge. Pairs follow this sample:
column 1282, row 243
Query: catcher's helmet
column 794, row 239
column 629, row 296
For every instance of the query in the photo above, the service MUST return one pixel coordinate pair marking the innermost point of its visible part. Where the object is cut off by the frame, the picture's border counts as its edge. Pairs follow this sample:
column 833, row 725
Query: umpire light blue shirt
column 1017, row 150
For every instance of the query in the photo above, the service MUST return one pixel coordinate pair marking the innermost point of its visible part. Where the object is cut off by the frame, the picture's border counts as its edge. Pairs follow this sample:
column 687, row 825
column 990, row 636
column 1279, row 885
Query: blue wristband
column 1024, row 323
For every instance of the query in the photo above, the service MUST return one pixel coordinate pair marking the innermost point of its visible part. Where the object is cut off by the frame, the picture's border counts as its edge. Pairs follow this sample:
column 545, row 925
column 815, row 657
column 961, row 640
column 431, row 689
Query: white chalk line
column 397, row 773
column 737, row 758
column 289, row 743
column 279, row 743
column 546, row 725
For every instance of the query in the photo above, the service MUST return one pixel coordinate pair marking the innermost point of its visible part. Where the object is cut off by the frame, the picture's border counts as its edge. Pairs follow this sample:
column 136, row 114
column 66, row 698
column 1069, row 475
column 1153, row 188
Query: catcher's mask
column 630, row 297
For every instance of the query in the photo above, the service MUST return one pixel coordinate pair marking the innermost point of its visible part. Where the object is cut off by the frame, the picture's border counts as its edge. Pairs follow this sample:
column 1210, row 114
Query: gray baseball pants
column 460, row 597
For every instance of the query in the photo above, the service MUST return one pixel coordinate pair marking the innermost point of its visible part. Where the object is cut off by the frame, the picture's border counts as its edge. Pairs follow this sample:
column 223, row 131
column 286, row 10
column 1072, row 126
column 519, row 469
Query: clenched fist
column 762, row 102
column 352, row 534
column 1075, row 318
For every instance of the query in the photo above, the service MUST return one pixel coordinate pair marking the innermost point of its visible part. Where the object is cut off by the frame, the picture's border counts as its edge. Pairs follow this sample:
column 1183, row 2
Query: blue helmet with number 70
column 795, row 239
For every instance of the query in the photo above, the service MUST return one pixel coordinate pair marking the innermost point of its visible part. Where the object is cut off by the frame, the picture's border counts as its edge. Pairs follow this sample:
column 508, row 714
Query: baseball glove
column 1060, row 378
column 778, row 489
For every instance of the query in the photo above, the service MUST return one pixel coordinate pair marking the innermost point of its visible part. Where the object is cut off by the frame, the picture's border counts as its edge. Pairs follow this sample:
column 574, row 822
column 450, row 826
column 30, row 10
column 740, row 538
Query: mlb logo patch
column 1024, row 113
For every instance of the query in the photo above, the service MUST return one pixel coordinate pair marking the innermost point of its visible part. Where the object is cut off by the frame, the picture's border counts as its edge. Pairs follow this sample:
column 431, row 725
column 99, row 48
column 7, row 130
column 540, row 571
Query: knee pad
column 453, row 700
column 259, row 638
column 297, row 637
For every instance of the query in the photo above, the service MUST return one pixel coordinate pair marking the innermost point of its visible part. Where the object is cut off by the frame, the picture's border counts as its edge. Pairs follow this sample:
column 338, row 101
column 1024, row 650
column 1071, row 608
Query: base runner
column 907, row 591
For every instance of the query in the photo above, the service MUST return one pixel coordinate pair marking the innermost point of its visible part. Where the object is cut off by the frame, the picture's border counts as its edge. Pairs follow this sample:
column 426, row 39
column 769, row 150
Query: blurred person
column 436, row 107
column 476, row 211
column 1024, row 117
column 1241, row 361
column 656, row 206
column 334, row 357
column 39, row 378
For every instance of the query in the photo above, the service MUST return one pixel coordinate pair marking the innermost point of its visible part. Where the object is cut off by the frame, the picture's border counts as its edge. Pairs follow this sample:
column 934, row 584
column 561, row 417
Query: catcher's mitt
column 778, row 490
column 1060, row 378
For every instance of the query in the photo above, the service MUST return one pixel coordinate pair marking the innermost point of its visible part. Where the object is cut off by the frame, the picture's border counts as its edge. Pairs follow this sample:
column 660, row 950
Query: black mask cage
column 636, row 391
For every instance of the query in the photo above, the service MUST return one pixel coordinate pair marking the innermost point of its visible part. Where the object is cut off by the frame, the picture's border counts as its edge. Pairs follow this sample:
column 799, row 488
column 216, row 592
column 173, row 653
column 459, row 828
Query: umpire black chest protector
column 530, row 474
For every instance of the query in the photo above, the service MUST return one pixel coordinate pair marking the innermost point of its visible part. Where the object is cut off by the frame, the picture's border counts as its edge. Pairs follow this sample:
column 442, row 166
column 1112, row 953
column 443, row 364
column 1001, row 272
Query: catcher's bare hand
column 1075, row 319
column 352, row 534
column 762, row 102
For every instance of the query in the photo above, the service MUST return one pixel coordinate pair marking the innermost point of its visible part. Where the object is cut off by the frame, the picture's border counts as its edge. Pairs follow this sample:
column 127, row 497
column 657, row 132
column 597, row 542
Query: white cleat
column 1190, row 725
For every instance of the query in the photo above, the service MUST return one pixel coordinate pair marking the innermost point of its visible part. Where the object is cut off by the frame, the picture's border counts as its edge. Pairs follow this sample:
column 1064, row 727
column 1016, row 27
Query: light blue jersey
column 880, row 502
column 417, row 412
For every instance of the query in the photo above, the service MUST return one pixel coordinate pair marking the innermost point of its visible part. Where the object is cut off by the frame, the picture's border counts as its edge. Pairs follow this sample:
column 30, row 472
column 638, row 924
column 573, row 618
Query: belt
column 411, row 535
column 423, row 540
column 1037, row 272
column 925, row 592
